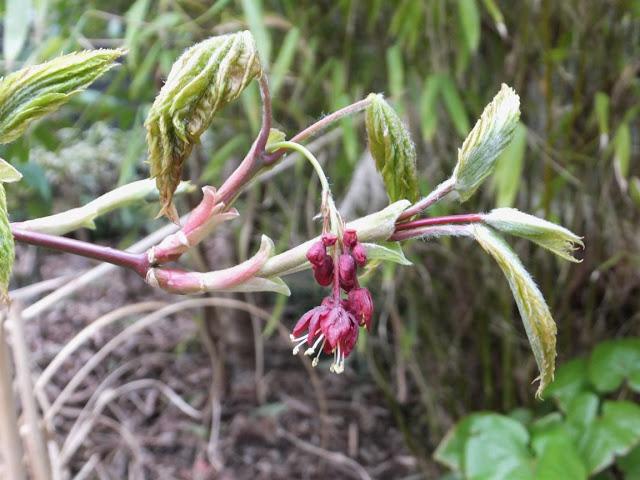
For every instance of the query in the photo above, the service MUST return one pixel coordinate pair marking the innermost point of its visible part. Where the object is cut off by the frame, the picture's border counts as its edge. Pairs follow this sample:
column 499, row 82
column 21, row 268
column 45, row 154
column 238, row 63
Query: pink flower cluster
column 333, row 326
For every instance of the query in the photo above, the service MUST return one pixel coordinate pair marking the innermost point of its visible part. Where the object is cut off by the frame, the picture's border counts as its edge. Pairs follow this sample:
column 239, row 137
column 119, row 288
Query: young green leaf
column 30, row 93
column 559, row 240
column 488, row 138
column 538, row 323
column 202, row 81
column 392, row 149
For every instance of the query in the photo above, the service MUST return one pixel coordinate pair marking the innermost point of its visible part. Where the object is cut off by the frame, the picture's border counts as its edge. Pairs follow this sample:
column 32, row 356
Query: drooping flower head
column 333, row 326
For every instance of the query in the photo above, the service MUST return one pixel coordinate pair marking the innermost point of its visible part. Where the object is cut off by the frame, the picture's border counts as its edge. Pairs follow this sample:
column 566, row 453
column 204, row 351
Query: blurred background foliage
column 448, row 339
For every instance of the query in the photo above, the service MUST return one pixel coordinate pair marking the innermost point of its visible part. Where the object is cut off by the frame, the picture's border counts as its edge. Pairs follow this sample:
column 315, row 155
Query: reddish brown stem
column 135, row 261
column 320, row 125
column 449, row 219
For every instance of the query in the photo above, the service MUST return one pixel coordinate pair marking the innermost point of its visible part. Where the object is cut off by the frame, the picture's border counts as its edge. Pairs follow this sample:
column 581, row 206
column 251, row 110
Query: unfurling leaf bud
column 202, row 81
column 360, row 304
column 317, row 254
column 559, row 240
column 350, row 238
column 323, row 273
column 359, row 254
column 347, row 271
column 31, row 93
column 392, row 149
column 488, row 138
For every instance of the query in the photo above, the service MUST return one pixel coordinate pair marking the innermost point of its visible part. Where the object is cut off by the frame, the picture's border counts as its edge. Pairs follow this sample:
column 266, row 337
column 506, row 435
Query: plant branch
column 133, row 261
column 248, row 167
column 434, row 197
column 320, row 125
column 449, row 219
column 83, row 217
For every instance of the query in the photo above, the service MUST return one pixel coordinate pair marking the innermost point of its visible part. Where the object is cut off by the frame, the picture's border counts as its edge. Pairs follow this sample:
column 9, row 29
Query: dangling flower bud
column 350, row 238
column 360, row 304
column 317, row 253
column 347, row 271
column 329, row 239
column 323, row 273
column 359, row 254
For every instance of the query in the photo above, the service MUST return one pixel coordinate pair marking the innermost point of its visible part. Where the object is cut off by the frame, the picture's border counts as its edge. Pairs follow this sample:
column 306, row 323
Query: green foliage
column 392, row 149
column 588, row 437
column 538, row 323
column 30, row 93
column 202, row 81
column 484, row 144
column 554, row 238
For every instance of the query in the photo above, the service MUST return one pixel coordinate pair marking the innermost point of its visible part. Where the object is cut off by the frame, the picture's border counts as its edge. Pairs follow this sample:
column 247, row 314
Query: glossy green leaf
column 559, row 459
column 614, row 361
column 583, row 409
column 462, row 448
column 497, row 449
column 508, row 171
column 630, row 464
column 570, row 381
column 392, row 149
column 613, row 434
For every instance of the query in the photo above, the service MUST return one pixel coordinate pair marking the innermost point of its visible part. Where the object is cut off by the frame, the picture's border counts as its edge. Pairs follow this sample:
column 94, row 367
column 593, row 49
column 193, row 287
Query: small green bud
column 392, row 149
column 30, row 93
column 488, row 138
column 205, row 78
column 559, row 240
column 536, row 317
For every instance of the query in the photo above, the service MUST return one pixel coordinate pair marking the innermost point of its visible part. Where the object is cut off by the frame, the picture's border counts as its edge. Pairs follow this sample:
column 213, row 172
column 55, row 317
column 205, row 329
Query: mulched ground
column 276, row 431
